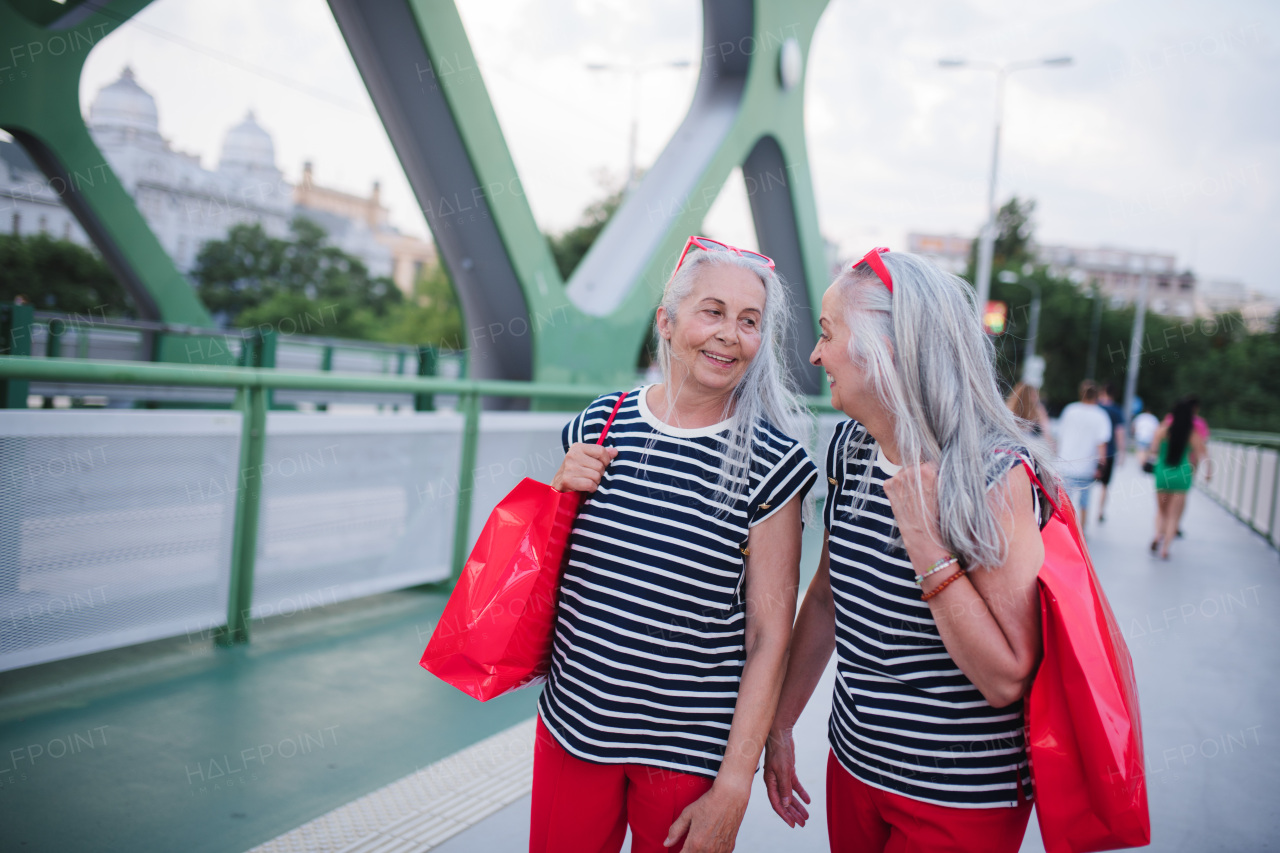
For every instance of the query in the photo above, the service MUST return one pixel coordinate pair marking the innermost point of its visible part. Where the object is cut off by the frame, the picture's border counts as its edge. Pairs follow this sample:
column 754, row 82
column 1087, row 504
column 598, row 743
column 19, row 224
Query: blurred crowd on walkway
column 1091, row 440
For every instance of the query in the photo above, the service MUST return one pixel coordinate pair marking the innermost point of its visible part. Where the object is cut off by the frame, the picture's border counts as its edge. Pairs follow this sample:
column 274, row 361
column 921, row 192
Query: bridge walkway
column 324, row 734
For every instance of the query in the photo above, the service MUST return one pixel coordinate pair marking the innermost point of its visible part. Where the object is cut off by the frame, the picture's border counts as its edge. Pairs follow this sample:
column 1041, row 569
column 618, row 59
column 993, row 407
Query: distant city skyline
column 1160, row 139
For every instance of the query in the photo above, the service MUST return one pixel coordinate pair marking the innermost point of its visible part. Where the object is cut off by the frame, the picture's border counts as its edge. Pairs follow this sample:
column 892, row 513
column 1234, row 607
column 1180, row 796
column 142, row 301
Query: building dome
column 125, row 106
column 247, row 148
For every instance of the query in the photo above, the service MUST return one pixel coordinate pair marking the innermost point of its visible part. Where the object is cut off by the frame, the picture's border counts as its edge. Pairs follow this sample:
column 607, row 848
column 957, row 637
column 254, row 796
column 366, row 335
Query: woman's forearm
column 772, row 580
column 762, row 676
column 988, row 619
column 978, row 645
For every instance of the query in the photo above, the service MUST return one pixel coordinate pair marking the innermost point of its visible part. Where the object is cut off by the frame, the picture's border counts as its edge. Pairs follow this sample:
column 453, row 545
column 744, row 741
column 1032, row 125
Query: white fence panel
column 101, row 542
column 350, row 506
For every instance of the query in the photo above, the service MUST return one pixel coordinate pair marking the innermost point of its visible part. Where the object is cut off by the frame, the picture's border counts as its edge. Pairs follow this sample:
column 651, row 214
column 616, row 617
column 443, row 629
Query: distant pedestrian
column 1083, row 432
column 1115, row 445
column 1144, row 429
column 1197, row 423
column 1179, row 448
column 1025, row 404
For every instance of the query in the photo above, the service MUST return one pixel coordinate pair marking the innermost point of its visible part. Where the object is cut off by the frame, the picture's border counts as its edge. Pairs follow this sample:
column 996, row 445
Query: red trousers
column 865, row 819
column 580, row 807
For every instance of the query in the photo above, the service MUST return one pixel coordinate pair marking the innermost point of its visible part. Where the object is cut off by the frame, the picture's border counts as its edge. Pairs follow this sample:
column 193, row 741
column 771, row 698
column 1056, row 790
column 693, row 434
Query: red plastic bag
column 496, row 630
column 1084, row 730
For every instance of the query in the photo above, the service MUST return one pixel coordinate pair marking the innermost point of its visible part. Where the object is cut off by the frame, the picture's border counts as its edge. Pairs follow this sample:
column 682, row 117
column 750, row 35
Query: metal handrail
column 252, row 386
column 1229, row 489
column 1255, row 439
column 80, row 322
column 205, row 376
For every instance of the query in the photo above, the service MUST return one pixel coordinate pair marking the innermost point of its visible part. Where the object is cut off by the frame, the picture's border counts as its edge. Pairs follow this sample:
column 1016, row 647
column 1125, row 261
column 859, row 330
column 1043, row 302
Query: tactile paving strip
column 425, row 808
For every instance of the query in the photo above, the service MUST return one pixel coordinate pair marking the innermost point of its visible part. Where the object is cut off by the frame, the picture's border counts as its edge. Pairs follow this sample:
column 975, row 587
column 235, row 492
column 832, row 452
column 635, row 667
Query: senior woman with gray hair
column 676, row 604
column 926, row 589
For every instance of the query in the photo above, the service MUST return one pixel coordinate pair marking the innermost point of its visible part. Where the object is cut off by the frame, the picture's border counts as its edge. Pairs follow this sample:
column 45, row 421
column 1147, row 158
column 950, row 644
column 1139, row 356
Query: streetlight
column 987, row 238
column 1032, row 366
column 635, row 70
column 1135, row 343
column 1095, row 327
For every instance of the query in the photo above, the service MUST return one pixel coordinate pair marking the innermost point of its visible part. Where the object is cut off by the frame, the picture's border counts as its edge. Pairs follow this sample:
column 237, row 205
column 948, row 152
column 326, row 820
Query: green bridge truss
column 524, row 321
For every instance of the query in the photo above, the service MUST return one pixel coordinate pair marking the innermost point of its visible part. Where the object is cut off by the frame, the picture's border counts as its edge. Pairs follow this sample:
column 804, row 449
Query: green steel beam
column 744, row 115
column 758, row 124
column 252, row 404
column 45, row 45
column 768, row 113
column 454, row 70
column 15, row 341
column 466, row 484
column 428, row 365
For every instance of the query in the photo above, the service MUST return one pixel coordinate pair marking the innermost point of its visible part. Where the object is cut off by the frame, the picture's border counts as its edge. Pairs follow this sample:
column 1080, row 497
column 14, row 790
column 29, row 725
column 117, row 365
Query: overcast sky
column 1164, row 135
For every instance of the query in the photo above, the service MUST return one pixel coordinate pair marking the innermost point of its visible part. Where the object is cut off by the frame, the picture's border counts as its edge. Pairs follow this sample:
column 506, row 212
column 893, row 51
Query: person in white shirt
column 1083, row 432
column 1144, row 429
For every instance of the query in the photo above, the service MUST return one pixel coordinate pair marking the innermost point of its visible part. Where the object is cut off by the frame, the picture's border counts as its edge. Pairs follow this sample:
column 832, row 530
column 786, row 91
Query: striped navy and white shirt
column 904, row 718
column 649, row 643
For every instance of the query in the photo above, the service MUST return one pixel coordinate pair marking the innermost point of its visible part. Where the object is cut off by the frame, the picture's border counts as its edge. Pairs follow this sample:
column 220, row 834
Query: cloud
column 1162, row 135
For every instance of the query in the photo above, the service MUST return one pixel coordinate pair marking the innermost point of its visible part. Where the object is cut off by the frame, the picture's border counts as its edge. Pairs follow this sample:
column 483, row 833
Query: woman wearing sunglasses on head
column 926, row 588
column 679, row 591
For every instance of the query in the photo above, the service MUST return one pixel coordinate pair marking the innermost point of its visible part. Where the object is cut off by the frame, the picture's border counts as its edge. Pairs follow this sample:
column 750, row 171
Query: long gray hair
column 931, row 364
column 765, row 390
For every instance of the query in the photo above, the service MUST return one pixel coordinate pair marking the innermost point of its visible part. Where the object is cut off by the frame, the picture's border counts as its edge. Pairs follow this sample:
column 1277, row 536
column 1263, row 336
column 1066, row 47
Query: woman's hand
column 582, row 468
column 780, row 778
column 710, row 823
column 915, row 510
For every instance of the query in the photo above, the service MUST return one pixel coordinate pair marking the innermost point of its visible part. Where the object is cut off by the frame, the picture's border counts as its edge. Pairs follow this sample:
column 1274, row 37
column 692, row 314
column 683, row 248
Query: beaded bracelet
column 937, row 567
column 940, row 587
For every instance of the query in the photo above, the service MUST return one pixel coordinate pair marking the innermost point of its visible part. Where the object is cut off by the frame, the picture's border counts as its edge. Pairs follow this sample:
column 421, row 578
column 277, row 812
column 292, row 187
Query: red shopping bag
column 495, row 633
column 1084, row 731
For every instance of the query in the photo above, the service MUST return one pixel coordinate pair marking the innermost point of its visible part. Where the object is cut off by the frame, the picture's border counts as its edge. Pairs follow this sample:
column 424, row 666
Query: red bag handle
column 1036, row 480
column 612, row 415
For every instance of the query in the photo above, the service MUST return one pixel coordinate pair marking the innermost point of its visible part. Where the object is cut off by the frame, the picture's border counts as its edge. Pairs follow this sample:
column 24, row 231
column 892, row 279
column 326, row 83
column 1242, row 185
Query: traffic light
column 996, row 318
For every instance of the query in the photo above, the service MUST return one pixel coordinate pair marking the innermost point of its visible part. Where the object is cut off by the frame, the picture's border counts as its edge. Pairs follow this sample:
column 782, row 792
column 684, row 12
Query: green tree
column 570, row 247
column 58, row 275
column 1015, row 229
column 251, row 278
column 432, row 316
column 1235, row 374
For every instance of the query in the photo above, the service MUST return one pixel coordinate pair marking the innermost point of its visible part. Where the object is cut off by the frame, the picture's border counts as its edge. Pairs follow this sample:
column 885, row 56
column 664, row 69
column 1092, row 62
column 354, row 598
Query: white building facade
column 30, row 203
column 1118, row 273
column 184, row 204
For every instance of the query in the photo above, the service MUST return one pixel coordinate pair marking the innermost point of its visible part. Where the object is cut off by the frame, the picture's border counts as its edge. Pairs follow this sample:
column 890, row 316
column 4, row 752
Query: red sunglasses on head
column 706, row 244
column 872, row 259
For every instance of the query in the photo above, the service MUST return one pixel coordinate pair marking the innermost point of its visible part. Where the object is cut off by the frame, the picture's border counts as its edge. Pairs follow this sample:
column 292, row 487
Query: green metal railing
column 1241, row 463
column 70, row 335
column 253, row 387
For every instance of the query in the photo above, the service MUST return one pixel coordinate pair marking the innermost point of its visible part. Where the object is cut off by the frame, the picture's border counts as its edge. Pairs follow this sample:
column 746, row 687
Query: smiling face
column 847, row 380
column 716, row 332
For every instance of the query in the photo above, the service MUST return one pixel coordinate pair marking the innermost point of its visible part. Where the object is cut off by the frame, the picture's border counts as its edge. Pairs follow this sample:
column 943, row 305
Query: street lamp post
column 987, row 237
column 1032, row 373
column 1095, row 327
column 635, row 70
column 1135, row 344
